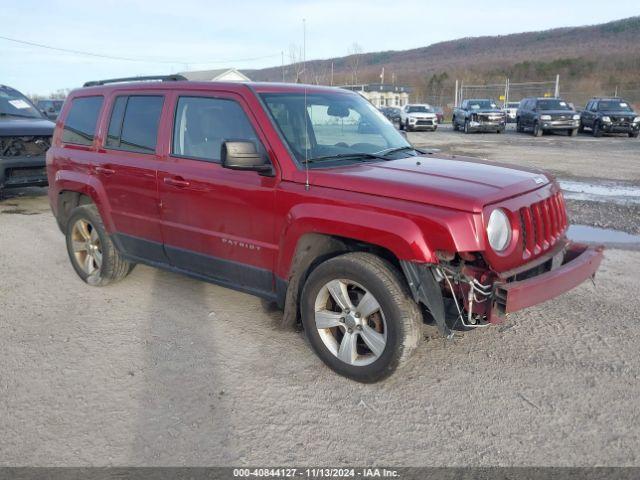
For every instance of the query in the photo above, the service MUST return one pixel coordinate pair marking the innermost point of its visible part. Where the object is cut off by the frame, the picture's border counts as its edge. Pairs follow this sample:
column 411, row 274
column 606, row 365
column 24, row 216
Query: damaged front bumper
column 482, row 297
column 580, row 263
column 23, row 171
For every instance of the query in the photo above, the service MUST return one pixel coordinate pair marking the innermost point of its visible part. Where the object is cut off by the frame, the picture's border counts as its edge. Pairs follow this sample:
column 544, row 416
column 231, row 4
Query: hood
column 18, row 127
column 487, row 110
column 619, row 113
column 421, row 114
column 557, row 112
column 460, row 183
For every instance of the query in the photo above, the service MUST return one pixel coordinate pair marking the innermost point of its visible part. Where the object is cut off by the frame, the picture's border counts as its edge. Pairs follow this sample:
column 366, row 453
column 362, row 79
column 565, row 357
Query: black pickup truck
column 609, row 115
column 25, row 137
column 479, row 115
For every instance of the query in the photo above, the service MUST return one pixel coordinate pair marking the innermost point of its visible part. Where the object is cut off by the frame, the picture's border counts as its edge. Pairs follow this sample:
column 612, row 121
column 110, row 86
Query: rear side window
column 134, row 123
column 203, row 124
column 80, row 124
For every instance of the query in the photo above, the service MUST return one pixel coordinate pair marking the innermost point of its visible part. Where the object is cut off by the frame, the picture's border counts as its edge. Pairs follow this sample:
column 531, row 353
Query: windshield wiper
column 389, row 151
column 338, row 156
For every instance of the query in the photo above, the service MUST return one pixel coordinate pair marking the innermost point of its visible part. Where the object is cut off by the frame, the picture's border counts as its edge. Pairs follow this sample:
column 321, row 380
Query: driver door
column 216, row 222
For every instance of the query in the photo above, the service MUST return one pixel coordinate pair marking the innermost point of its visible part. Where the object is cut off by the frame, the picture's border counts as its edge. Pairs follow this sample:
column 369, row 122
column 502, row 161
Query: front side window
column 80, row 124
column 203, row 124
column 332, row 126
column 134, row 123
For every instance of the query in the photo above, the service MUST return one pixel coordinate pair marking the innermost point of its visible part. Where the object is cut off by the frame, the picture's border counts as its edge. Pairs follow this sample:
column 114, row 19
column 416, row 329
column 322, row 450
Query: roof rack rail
column 163, row 78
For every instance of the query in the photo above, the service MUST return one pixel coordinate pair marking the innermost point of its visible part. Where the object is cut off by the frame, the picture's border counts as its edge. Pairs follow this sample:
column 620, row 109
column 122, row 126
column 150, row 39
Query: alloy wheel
column 86, row 247
column 350, row 322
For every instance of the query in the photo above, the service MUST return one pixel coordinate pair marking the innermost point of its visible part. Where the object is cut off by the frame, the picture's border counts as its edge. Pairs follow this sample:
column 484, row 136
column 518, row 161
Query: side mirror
column 243, row 155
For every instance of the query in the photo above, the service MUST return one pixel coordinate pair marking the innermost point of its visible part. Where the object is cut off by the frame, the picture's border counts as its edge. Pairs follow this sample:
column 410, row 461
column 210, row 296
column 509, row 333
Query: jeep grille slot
column 542, row 224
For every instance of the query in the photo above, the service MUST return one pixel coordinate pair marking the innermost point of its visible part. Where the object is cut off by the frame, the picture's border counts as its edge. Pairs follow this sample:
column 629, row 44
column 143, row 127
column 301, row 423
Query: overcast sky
column 169, row 36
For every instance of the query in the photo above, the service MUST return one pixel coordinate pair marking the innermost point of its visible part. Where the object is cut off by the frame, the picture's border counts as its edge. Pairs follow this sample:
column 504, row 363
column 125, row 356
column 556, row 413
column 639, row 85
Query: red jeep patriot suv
column 309, row 197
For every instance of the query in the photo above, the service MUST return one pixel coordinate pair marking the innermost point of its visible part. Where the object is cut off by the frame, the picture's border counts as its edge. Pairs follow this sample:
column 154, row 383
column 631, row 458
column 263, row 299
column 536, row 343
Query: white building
column 219, row 75
column 383, row 94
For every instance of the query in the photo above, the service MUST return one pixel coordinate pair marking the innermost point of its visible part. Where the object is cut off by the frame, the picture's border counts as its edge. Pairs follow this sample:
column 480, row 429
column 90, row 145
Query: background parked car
column 545, row 115
column 510, row 110
column 478, row 115
column 392, row 113
column 50, row 108
column 439, row 114
column 609, row 115
column 25, row 136
column 415, row 116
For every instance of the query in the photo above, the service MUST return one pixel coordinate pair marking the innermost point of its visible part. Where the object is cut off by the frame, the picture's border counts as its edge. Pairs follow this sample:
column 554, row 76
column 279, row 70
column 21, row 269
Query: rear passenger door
column 217, row 222
column 127, row 168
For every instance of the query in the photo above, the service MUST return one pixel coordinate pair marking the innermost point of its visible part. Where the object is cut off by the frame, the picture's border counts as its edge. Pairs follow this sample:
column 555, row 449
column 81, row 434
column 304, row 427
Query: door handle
column 105, row 170
column 176, row 182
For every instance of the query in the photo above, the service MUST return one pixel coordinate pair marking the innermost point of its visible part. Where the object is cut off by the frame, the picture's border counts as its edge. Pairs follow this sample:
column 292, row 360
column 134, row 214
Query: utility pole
column 332, row 74
column 455, row 96
column 282, row 55
column 557, row 92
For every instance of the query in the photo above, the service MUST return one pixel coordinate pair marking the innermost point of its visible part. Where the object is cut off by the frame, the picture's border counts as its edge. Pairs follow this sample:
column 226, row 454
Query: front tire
column 454, row 123
column 595, row 130
column 537, row 131
column 466, row 127
column 359, row 316
column 93, row 255
column 519, row 127
column 634, row 134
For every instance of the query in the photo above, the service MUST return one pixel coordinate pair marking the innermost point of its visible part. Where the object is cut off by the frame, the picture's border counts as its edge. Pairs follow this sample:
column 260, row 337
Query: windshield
column 13, row 103
column 481, row 104
column 419, row 109
column 338, row 126
column 553, row 104
column 614, row 106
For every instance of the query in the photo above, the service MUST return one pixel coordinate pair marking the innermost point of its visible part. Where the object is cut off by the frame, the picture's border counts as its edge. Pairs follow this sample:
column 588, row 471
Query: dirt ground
column 161, row 369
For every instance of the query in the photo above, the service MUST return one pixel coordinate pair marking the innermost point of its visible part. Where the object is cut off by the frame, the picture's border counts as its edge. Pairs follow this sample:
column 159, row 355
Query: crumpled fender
column 399, row 235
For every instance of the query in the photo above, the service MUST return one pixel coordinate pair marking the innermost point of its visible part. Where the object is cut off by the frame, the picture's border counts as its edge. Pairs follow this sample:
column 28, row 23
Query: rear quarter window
column 80, row 124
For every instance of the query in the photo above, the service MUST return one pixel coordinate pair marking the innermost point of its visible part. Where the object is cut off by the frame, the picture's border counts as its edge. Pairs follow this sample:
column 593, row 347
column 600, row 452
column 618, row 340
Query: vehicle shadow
column 182, row 405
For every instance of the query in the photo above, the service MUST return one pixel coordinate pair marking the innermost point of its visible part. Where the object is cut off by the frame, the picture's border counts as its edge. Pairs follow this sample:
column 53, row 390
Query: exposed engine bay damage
column 25, row 146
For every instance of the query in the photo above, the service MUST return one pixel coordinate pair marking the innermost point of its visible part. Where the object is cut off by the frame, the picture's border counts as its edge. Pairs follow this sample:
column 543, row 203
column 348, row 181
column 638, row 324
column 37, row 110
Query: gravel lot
column 161, row 369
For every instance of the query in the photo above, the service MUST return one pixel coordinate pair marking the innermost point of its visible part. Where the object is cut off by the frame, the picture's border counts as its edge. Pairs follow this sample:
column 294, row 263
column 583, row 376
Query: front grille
column 542, row 225
column 424, row 122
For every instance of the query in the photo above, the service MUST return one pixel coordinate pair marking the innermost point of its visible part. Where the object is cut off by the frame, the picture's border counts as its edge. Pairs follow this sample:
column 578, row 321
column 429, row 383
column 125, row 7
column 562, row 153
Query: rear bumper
column 580, row 263
column 22, row 171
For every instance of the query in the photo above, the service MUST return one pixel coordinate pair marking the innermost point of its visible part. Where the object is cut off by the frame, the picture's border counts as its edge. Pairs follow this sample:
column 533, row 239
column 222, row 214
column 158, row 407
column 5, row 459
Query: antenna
column 306, row 122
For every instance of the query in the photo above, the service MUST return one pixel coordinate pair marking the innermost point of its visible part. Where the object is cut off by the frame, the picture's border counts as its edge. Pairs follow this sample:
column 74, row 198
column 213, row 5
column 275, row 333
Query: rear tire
column 93, row 255
column 390, row 321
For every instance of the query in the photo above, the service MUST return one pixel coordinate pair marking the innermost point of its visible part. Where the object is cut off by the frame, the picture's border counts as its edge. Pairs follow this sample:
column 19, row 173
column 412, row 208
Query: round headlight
column 499, row 230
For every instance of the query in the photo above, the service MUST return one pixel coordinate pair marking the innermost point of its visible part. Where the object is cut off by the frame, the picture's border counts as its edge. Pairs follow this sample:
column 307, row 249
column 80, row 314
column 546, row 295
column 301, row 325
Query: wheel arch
column 72, row 189
column 313, row 235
